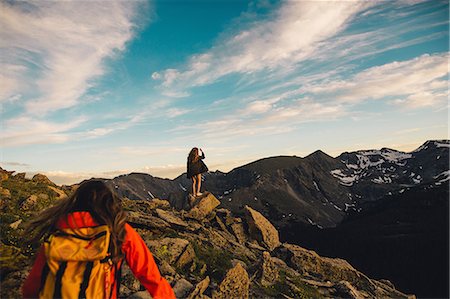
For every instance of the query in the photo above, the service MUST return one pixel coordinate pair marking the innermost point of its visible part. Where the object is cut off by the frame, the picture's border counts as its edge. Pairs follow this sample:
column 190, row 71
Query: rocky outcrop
column 203, row 207
column 261, row 229
column 40, row 178
column 235, row 284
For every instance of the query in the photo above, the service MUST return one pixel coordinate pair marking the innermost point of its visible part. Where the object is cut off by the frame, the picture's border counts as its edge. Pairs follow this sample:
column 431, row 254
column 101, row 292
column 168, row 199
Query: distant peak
column 433, row 144
column 318, row 153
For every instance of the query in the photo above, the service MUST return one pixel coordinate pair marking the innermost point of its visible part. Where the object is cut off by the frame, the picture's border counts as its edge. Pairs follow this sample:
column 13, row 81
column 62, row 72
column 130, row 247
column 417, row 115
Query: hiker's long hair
column 193, row 155
column 93, row 196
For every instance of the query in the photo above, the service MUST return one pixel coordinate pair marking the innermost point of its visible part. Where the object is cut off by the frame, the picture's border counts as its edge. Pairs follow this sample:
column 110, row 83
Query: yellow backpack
column 78, row 264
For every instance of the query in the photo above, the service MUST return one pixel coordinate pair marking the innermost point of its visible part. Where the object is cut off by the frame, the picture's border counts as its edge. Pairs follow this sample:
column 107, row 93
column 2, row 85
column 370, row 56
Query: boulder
column 170, row 218
column 182, row 287
column 40, row 178
column 235, row 284
column 148, row 221
column 186, row 257
column 29, row 202
column 199, row 289
column 269, row 271
column 203, row 207
column 261, row 229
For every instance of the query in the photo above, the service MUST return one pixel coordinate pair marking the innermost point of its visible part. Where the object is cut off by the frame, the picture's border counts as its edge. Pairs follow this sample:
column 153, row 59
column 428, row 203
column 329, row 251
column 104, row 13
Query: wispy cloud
column 292, row 35
column 420, row 80
column 25, row 130
column 62, row 46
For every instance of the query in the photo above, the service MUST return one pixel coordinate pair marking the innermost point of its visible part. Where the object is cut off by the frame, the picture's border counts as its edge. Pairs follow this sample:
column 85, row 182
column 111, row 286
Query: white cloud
column 62, row 46
column 25, row 130
column 419, row 80
column 292, row 35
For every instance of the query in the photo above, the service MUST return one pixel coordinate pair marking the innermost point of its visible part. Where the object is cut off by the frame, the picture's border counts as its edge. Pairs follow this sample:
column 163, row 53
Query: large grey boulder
column 261, row 229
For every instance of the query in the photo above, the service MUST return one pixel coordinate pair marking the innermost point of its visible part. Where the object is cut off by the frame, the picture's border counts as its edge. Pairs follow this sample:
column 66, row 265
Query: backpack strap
column 118, row 276
column 58, row 282
column 86, row 276
column 44, row 275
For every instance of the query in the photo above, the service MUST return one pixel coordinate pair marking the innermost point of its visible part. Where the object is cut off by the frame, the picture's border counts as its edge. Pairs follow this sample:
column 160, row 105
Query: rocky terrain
column 204, row 251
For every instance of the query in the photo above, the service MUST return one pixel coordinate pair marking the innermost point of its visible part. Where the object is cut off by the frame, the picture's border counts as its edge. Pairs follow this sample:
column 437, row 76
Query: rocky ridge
column 203, row 251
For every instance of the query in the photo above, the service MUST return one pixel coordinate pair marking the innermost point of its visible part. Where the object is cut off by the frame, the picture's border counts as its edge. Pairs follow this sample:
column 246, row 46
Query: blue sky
column 103, row 88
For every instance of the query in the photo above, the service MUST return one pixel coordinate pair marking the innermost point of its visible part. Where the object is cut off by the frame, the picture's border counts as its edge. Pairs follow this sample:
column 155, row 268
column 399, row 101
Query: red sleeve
column 30, row 288
column 143, row 265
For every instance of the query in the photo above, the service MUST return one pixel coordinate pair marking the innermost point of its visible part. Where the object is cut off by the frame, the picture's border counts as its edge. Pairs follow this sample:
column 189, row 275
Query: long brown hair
column 193, row 155
column 93, row 196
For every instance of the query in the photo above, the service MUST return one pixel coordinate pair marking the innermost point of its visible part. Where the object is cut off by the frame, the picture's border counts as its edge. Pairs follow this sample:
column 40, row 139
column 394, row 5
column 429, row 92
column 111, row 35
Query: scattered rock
column 235, row 284
column 170, row 218
column 346, row 290
column 15, row 224
column 261, row 229
column 182, row 287
column 269, row 272
column 199, row 289
column 203, row 207
column 335, row 270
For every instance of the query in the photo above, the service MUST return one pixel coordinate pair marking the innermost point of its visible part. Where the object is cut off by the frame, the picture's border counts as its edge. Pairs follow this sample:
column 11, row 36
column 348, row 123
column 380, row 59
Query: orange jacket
column 137, row 256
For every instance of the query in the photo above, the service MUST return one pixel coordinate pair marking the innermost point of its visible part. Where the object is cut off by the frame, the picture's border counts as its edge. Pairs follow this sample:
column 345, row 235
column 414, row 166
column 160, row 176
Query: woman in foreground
column 89, row 240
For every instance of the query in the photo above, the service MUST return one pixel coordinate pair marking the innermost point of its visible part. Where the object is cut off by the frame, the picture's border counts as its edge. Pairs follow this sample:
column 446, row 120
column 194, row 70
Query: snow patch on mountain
column 442, row 177
column 346, row 180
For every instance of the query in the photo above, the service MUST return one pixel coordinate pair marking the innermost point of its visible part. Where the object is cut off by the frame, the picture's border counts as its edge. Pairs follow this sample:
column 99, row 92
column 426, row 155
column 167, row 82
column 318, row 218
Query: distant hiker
column 195, row 168
column 86, row 241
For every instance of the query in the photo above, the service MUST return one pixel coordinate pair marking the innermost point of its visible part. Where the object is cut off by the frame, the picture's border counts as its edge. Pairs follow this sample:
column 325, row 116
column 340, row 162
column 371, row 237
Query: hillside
column 204, row 251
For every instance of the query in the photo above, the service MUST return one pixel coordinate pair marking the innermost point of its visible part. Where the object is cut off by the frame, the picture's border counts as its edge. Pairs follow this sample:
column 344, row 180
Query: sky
column 104, row 88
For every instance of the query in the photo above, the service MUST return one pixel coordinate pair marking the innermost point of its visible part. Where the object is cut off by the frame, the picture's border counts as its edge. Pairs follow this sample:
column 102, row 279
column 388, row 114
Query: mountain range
column 343, row 200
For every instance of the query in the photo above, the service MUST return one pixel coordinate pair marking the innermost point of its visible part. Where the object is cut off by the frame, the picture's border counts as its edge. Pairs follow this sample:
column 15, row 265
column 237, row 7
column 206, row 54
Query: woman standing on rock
column 195, row 168
column 87, row 239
